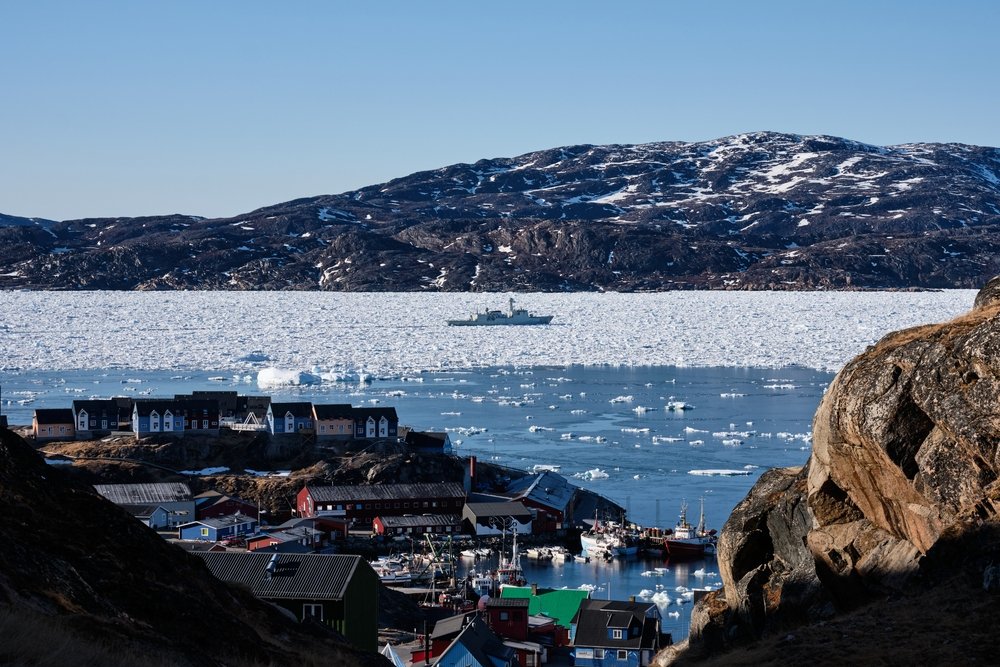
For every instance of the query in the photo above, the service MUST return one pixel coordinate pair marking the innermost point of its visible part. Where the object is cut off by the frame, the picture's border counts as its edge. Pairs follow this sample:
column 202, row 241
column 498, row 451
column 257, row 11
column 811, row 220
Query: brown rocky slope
column 884, row 547
column 84, row 583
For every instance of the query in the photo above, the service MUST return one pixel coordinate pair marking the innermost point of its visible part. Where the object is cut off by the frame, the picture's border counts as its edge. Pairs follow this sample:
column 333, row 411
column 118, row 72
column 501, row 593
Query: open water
column 607, row 428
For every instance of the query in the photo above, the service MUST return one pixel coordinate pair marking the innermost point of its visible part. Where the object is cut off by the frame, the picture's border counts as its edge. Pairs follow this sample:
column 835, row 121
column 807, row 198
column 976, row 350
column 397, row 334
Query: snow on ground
column 393, row 333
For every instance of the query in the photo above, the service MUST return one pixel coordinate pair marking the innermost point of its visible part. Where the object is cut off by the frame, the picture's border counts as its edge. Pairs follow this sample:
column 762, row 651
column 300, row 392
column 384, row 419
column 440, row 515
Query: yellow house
column 53, row 424
column 334, row 421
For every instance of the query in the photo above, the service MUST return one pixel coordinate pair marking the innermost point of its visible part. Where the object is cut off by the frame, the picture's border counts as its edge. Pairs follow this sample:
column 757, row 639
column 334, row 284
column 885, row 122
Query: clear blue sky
column 214, row 107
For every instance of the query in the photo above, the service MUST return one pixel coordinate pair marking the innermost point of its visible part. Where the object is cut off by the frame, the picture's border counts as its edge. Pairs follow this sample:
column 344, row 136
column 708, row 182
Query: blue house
column 175, row 417
column 289, row 418
column 154, row 516
column 612, row 633
column 375, row 423
column 477, row 646
column 217, row 529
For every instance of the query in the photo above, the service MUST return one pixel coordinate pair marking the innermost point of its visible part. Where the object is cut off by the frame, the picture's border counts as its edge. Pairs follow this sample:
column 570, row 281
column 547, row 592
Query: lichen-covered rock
column 904, row 480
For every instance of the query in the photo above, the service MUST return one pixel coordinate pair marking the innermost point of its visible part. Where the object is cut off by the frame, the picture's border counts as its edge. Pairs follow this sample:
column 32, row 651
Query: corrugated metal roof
column 355, row 492
column 145, row 494
column 548, row 488
column 221, row 521
column 516, row 603
column 515, row 509
column 432, row 520
column 145, row 407
column 295, row 577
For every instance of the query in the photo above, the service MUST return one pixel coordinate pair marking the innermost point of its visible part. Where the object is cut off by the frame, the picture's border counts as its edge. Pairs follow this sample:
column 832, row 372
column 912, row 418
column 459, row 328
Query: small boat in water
column 513, row 316
column 689, row 542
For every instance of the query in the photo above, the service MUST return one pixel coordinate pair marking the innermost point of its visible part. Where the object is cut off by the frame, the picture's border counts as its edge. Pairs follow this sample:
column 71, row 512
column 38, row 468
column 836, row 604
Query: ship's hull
column 502, row 322
column 685, row 549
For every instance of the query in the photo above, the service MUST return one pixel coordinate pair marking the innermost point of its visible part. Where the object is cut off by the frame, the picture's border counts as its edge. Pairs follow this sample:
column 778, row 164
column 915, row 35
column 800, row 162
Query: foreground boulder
column 900, row 497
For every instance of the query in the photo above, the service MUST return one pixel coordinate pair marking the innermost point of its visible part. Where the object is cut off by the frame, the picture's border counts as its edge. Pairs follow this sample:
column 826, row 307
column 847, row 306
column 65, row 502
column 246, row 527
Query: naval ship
column 498, row 318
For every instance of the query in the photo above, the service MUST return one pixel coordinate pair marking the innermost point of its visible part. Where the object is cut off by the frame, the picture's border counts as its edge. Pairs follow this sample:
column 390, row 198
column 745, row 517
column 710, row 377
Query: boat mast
column 701, row 519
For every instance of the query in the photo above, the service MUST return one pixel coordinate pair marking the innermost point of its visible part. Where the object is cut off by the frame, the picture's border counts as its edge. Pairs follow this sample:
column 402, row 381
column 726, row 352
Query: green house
column 338, row 590
column 559, row 604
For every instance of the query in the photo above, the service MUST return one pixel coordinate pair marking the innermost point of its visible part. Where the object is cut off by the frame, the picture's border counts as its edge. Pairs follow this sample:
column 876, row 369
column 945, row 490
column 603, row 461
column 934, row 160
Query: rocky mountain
column 760, row 210
column 885, row 547
column 83, row 583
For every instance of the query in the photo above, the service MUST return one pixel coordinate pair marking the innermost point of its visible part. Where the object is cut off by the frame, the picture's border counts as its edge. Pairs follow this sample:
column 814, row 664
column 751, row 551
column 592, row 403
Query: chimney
column 470, row 475
column 631, row 598
column 534, row 589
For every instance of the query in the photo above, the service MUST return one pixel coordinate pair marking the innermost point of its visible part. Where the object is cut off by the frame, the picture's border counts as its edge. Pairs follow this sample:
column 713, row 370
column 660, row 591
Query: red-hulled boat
column 688, row 542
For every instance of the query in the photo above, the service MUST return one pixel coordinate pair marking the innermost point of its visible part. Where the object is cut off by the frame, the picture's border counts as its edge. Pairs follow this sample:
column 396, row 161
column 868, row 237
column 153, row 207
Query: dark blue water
column 581, row 419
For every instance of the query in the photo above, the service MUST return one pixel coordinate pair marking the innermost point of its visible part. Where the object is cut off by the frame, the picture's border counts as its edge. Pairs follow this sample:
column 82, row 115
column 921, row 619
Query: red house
column 214, row 504
column 362, row 503
column 508, row 617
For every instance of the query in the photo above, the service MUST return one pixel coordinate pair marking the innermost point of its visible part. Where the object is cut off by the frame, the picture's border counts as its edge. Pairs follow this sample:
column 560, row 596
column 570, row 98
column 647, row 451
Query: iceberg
column 276, row 377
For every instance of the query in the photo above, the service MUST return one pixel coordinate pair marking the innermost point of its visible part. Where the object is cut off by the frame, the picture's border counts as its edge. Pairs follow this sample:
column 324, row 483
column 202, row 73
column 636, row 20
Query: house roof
column 483, row 645
column 145, row 494
column 508, row 603
column 416, row 521
column 333, row 411
column 597, row 616
column 295, row 576
column 106, row 405
column 54, row 416
column 298, row 409
column 145, row 407
column 451, row 625
column 221, row 521
column 547, row 488
column 375, row 413
column 426, row 439
column 355, row 492
column 292, row 534
column 209, row 499
column 514, row 509
column 559, row 604
column 141, row 511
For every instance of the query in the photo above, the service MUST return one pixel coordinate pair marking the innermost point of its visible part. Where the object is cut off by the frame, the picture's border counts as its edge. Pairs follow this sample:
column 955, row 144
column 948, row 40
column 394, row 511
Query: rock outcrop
column 900, row 494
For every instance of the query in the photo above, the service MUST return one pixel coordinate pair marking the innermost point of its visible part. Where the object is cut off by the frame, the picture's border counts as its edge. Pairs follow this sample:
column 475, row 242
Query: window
column 312, row 610
column 598, row 654
column 617, row 634
column 406, row 505
column 504, row 616
column 425, row 504
column 623, row 655
column 204, row 423
column 530, row 660
column 204, row 532
column 584, row 654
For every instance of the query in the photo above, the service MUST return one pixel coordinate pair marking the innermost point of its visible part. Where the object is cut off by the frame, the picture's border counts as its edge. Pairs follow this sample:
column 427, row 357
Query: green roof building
column 559, row 604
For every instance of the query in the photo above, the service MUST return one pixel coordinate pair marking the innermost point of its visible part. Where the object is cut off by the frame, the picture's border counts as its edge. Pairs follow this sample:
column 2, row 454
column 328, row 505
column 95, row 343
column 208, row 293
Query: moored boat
column 689, row 542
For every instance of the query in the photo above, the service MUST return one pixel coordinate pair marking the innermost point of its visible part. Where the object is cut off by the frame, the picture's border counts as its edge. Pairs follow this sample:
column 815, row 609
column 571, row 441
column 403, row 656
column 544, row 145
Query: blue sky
column 216, row 108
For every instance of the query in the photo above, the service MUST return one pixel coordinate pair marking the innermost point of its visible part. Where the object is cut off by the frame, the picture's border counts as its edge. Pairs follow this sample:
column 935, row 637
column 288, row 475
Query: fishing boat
column 687, row 541
column 513, row 316
column 609, row 537
column 508, row 573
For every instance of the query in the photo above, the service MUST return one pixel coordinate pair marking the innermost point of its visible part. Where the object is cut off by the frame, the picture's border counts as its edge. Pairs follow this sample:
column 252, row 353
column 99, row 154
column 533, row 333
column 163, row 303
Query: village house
column 550, row 498
column 174, row 497
column 375, row 423
column 210, row 504
column 337, row 590
column 175, row 417
column 496, row 518
column 49, row 424
column 99, row 417
column 217, row 529
column 551, row 611
column 476, row 645
column 307, row 536
column 427, row 442
column 290, row 418
column 362, row 503
column 508, row 618
column 154, row 516
column 612, row 633
column 423, row 524
column 334, row 421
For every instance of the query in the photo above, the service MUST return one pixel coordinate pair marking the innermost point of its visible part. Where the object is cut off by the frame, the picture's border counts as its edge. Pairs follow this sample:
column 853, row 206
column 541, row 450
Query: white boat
column 513, row 316
column 687, row 541
column 393, row 577
column 539, row 553
column 561, row 554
